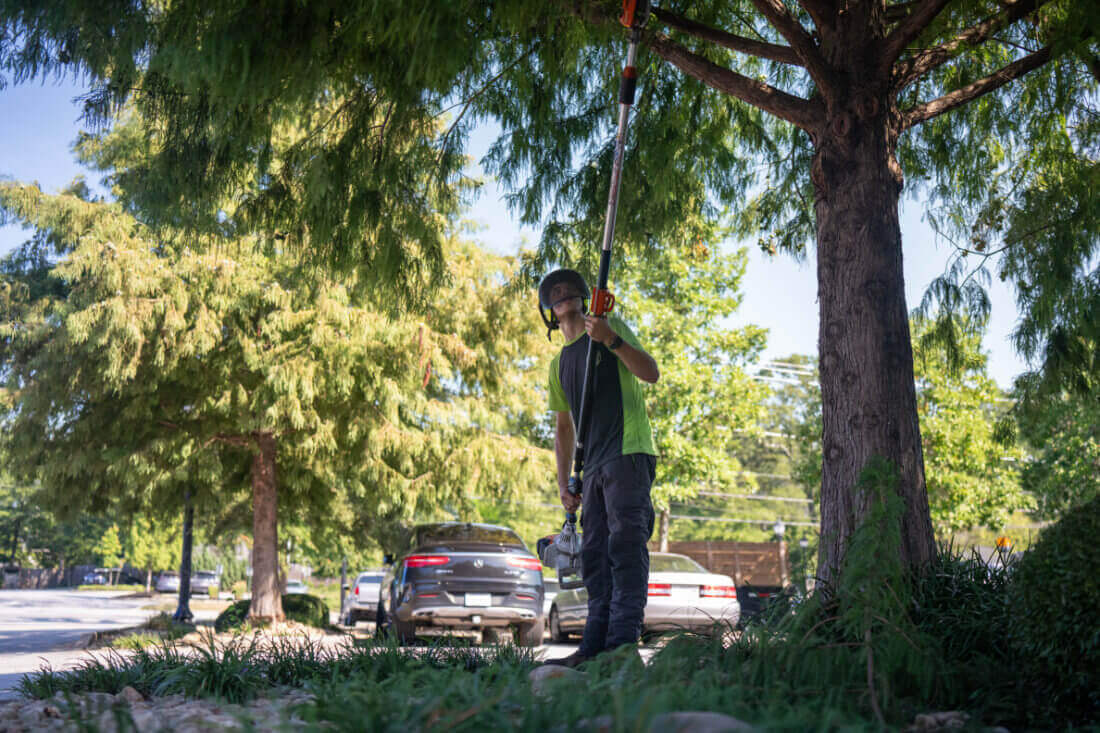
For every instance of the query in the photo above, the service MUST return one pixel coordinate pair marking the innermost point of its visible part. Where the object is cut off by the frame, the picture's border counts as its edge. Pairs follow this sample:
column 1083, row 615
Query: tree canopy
column 339, row 127
column 148, row 366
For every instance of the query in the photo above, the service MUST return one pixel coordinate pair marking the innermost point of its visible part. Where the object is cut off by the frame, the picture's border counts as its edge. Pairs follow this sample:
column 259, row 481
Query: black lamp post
column 183, row 611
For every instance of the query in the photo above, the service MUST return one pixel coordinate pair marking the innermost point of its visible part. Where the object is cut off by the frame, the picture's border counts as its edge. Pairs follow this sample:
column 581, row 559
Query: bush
column 305, row 609
column 213, row 591
column 1054, row 594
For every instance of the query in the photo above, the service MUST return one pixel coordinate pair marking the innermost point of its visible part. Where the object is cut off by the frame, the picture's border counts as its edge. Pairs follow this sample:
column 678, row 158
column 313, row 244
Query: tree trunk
column 267, row 603
column 148, row 580
column 662, row 531
column 868, row 394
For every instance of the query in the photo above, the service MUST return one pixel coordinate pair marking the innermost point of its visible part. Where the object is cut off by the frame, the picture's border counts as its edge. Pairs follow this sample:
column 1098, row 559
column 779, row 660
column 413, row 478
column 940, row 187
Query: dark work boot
column 573, row 661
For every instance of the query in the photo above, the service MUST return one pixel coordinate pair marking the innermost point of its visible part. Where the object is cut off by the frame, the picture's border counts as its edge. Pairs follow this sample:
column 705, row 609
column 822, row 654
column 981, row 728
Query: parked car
column 550, row 589
column 463, row 576
column 296, row 587
column 202, row 580
column 361, row 600
column 754, row 598
column 168, row 582
column 96, row 577
column 682, row 595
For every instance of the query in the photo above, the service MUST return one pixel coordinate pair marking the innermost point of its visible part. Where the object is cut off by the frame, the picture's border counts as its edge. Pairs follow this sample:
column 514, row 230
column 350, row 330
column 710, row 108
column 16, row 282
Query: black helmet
column 558, row 276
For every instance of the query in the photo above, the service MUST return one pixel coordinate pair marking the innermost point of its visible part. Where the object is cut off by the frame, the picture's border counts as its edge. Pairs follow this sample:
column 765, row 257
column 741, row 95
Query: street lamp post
column 804, row 544
column 183, row 609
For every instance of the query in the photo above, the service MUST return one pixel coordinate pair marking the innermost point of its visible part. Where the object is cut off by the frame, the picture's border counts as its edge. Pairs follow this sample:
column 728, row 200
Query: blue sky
column 39, row 121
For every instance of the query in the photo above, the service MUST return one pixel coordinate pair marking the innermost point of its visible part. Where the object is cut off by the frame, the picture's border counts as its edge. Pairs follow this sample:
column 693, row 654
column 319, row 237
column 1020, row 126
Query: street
column 49, row 627
column 40, row 627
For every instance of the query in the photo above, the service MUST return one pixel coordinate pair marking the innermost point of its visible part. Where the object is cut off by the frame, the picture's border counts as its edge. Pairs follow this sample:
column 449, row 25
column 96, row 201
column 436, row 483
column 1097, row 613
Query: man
column 619, row 461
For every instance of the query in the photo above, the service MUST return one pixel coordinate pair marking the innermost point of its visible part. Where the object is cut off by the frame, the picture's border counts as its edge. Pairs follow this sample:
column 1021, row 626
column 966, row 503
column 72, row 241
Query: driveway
column 48, row 627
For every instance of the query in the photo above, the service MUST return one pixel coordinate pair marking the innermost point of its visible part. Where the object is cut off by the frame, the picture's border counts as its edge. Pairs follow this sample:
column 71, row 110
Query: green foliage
column 1055, row 592
column 159, row 364
column 704, row 398
column 109, row 547
column 972, row 477
column 151, row 545
column 1062, row 434
column 300, row 607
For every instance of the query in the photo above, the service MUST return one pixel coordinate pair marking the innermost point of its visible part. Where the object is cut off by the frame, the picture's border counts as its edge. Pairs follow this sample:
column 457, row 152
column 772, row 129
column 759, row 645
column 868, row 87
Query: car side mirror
column 387, row 559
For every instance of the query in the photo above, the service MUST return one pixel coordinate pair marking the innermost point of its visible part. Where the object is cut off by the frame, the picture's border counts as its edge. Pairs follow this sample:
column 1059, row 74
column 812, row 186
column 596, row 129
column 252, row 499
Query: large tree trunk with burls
column 868, row 394
column 267, row 602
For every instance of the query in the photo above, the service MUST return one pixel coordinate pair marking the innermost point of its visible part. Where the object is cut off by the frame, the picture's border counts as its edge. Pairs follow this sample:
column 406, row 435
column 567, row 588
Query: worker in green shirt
column 620, row 461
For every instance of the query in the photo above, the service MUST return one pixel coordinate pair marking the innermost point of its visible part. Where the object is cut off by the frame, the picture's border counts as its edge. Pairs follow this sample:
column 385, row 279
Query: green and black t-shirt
column 619, row 424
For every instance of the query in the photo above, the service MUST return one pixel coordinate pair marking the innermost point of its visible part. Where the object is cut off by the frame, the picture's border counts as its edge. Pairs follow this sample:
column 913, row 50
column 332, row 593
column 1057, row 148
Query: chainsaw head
column 563, row 553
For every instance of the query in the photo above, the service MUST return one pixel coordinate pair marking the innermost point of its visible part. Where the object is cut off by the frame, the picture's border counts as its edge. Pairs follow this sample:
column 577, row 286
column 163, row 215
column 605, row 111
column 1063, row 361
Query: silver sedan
column 682, row 595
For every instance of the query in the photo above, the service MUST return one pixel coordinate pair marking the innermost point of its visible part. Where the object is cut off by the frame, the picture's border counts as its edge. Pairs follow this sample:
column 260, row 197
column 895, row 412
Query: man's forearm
column 640, row 364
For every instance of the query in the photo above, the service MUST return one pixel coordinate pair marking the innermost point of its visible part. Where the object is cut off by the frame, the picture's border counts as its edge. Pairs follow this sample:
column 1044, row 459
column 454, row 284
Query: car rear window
column 202, row 574
column 674, row 564
column 373, row 578
column 447, row 533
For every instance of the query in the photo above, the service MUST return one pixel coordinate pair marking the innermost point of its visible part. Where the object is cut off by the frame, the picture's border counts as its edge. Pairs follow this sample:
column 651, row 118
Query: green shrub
column 305, row 609
column 1055, row 594
column 213, row 591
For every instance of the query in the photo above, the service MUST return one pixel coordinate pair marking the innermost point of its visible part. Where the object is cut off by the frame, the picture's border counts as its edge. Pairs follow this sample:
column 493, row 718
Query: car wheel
column 405, row 632
column 556, row 634
column 529, row 634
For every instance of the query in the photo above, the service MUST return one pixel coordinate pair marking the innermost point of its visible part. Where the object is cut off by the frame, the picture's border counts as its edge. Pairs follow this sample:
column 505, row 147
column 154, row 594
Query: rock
column 681, row 722
column 130, row 695
column 543, row 678
column 949, row 720
column 697, row 722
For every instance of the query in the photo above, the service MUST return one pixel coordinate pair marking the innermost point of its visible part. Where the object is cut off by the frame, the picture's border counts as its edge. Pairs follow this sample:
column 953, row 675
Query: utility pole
column 183, row 611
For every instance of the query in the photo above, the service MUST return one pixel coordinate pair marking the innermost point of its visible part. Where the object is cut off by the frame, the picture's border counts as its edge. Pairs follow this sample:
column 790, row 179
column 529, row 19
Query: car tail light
column 524, row 597
column 527, row 563
column 357, row 590
column 428, row 595
column 425, row 561
column 660, row 589
column 717, row 591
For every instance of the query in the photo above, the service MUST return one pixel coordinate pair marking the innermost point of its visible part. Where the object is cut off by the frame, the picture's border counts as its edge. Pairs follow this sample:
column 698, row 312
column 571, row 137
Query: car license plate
column 479, row 599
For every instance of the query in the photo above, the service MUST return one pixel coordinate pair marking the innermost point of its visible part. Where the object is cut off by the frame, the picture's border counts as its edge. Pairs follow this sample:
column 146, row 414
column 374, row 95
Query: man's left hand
column 598, row 330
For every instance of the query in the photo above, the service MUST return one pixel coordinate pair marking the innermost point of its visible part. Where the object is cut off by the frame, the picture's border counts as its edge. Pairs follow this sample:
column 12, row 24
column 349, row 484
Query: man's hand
column 571, row 502
column 598, row 330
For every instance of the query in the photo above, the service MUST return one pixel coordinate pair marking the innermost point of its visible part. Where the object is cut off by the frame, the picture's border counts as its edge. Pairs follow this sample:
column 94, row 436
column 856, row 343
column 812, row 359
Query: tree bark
column 662, row 531
column 183, row 608
column 267, row 602
column 867, row 390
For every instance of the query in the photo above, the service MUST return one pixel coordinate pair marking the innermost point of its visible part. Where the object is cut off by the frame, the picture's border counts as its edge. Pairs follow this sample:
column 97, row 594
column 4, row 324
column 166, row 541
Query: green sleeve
column 558, row 403
column 620, row 328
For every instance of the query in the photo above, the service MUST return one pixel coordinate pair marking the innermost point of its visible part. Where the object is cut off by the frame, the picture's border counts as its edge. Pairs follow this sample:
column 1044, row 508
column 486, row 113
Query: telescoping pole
column 635, row 13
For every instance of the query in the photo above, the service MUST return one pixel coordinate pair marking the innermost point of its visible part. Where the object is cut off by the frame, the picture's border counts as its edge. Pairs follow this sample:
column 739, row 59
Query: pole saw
column 563, row 551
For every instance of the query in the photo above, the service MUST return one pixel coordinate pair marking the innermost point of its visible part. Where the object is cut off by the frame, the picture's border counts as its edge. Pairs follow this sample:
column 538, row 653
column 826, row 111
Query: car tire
column 529, row 634
column 405, row 632
column 556, row 634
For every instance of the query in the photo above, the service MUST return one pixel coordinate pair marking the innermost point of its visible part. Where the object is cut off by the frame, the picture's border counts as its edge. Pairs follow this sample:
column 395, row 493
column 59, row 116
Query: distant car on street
column 296, row 586
column 682, row 595
column 202, row 580
column 361, row 600
column 96, row 577
column 168, row 582
column 463, row 576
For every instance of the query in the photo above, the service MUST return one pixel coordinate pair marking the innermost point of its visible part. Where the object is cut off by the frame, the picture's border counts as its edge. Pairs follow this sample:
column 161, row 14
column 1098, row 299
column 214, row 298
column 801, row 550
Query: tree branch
column 796, row 110
column 911, row 69
column 821, row 11
column 801, row 41
column 901, row 11
column 908, row 30
column 928, row 110
column 770, row 51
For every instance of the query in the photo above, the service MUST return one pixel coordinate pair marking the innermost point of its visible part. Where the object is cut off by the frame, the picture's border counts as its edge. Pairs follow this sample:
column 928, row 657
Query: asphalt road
column 40, row 627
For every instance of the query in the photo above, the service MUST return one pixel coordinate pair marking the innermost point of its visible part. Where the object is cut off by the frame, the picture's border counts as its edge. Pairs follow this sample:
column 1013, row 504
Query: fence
column 748, row 563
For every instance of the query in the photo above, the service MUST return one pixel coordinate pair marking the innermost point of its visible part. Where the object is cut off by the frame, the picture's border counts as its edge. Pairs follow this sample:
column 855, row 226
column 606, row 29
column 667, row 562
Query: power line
column 740, row 520
column 756, row 497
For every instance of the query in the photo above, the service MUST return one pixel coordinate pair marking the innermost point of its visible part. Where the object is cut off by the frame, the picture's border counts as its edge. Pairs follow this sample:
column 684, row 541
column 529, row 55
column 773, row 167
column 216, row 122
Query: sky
column 39, row 122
